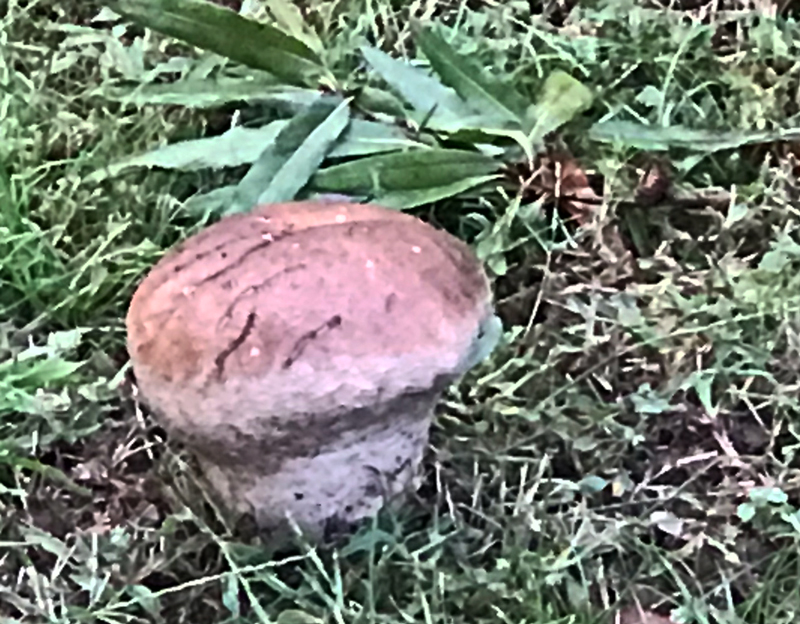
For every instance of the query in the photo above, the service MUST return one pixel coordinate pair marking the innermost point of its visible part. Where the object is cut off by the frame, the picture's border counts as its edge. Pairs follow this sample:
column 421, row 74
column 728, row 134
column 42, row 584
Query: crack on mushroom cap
column 219, row 361
column 268, row 239
column 280, row 219
column 256, row 288
column 301, row 344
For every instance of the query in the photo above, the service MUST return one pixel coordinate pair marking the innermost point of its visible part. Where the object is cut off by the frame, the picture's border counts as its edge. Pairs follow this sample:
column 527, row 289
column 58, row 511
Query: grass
column 633, row 444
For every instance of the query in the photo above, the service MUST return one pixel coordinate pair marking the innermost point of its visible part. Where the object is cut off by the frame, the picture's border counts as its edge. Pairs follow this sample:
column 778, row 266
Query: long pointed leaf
column 227, row 33
column 289, row 17
column 638, row 135
column 404, row 199
column 288, row 163
column 497, row 101
column 237, row 146
column 439, row 105
column 209, row 93
column 403, row 171
column 214, row 202
column 364, row 137
column 242, row 146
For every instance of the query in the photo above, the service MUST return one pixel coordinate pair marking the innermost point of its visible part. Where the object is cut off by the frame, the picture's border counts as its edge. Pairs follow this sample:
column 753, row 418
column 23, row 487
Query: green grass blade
column 6, row 196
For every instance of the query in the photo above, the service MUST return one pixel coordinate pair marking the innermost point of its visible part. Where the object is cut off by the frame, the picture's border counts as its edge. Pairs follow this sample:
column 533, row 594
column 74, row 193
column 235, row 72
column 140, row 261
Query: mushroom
column 299, row 350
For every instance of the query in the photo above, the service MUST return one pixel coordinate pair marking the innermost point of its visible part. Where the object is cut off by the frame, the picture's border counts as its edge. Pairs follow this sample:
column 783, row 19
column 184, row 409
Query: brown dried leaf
column 637, row 615
column 619, row 261
column 562, row 177
column 654, row 184
column 574, row 192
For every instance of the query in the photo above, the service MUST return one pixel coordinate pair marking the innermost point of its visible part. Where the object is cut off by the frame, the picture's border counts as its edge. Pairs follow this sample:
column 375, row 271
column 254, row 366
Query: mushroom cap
column 304, row 308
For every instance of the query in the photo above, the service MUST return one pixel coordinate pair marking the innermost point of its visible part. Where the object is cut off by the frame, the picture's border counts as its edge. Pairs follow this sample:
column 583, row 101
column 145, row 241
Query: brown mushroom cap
column 296, row 285
column 296, row 319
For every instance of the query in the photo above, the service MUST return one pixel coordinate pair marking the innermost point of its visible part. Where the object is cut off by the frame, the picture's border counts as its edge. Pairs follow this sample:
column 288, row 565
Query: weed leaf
column 295, row 616
column 411, row 198
column 242, row 146
column 364, row 137
column 211, row 92
column 416, row 169
column 290, row 19
column 214, row 202
column 437, row 105
column 562, row 98
column 380, row 101
column 640, row 136
column 237, row 146
column 298, row 150
column 498, row 103
column 6, row 197
column 224, row 32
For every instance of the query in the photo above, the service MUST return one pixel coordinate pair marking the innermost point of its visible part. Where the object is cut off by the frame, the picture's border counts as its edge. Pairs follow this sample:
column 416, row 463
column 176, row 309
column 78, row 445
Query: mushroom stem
column 341, row 481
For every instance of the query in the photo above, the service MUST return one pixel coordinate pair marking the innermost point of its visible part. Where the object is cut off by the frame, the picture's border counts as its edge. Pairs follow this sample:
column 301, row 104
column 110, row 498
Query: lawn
column 627, row 171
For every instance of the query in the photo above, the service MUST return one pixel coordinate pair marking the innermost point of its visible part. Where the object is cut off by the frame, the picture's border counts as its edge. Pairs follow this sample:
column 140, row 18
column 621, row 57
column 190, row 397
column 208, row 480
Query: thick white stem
column 347, row 481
